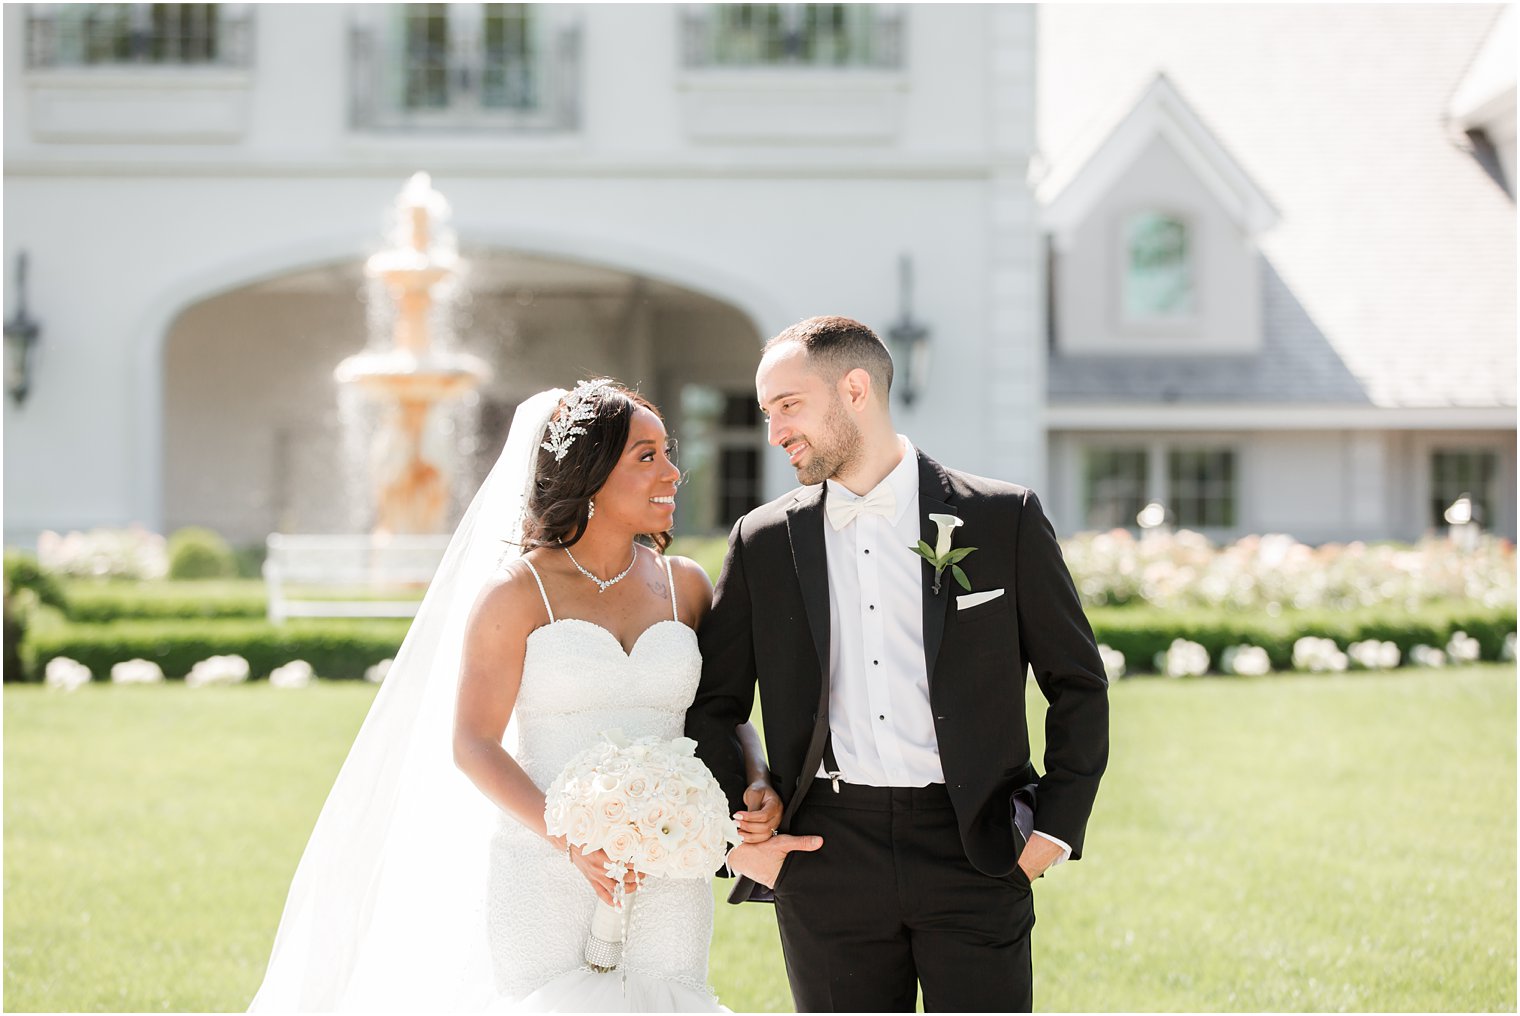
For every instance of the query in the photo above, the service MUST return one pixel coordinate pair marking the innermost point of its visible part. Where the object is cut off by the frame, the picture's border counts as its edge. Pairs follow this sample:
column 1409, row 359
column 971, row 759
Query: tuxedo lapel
column 934, row 498
column 804, row 524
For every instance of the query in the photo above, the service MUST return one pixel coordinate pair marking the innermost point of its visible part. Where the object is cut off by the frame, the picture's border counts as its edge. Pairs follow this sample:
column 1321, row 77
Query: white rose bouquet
column 652, row 807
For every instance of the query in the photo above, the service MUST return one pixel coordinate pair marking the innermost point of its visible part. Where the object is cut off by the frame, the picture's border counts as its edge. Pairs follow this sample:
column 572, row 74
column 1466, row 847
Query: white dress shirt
column 880, row 720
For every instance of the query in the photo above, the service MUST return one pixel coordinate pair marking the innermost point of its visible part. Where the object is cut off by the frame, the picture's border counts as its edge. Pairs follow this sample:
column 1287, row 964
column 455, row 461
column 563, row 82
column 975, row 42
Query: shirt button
column 873, row 606
column 868, row 552
column 882, row 717
column 875, row 663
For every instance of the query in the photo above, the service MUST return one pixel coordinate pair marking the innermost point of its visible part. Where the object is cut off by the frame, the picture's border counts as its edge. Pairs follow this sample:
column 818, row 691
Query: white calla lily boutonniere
column 940, row 555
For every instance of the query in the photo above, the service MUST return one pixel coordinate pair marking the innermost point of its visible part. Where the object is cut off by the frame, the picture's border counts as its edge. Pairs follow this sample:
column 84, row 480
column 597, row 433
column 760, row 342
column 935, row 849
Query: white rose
column 652, row 857
column 579, row 824
column 611, row 810
column 693, row 861
column 622, row 844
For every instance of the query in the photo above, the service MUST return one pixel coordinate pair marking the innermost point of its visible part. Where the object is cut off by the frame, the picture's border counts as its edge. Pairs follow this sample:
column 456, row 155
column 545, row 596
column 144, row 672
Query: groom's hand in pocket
column 762, row 861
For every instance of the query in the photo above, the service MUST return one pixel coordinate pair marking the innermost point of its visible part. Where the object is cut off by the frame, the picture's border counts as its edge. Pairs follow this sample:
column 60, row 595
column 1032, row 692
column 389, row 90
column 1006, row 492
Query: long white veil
column 387, row 910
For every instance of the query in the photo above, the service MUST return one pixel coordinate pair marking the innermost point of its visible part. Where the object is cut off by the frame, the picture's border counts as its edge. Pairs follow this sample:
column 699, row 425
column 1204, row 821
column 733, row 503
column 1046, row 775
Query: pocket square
column 972, row 599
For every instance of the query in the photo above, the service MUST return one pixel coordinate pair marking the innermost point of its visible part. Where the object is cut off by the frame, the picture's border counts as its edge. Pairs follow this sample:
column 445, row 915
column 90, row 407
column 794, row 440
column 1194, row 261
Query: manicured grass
column 1291, row 843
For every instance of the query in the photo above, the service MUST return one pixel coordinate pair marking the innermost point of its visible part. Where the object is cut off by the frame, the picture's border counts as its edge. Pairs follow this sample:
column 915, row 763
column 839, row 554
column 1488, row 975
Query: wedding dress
column 577, row 681
column 414, row 892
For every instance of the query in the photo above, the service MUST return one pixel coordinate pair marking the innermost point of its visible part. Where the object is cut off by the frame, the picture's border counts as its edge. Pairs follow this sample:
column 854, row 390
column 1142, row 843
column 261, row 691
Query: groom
column 893, row 698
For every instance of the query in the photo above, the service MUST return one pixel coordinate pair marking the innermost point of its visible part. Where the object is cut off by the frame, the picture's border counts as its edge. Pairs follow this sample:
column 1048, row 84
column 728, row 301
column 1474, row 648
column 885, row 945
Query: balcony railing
column 504, row 74
column 820, row 36
column 157, row 35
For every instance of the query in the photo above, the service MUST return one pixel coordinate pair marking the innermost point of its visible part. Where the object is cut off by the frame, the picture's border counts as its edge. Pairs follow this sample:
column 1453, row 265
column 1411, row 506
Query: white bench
column 368, row 567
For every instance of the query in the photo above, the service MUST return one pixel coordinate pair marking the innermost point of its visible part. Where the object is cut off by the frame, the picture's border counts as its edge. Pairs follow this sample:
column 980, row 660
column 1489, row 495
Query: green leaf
column 925, row 550
column 958, row 555
column 960, row 577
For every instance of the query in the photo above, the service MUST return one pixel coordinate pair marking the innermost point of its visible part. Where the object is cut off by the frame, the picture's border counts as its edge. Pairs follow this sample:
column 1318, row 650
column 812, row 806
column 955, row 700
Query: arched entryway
column 252, row 435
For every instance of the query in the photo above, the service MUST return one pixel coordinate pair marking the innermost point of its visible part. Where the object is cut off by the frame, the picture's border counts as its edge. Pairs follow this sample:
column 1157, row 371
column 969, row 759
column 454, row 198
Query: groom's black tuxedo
column 769, row 624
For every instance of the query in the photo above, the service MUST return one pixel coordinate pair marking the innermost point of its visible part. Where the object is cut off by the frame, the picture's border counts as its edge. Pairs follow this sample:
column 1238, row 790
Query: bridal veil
column 387, row 910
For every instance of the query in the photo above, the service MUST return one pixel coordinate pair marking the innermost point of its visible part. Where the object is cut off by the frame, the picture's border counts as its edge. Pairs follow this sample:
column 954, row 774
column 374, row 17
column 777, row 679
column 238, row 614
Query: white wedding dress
column 577, row 681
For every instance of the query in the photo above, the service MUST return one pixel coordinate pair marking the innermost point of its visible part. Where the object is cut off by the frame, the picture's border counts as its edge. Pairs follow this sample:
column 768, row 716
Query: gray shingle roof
column 1390, row 278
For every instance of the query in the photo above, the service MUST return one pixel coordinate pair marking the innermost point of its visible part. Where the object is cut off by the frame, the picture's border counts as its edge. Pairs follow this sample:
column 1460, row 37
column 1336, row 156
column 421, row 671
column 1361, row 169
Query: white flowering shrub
column 134, row 553
column 1371, row 654
column 1426, row 656
column 136, row 672
column 1318, row 655
column 1246, row 661
column 376, row 674
column 1507, row 651
column 217, row 670
column 1274, row 572
column 295, row 674
column 1183, row 659
column 1463, row 648
column 65, row 674
column 1113, row 662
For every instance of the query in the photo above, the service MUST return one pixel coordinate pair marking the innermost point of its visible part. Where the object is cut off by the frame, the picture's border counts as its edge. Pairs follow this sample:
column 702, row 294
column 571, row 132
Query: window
column 1158, row 272
column 81, row 35
column 794, row 35
column 1458, row 471
column 465, row 66
column 1201, row 487
column 1197, row 486
column 722, row 441
column 1114, row 489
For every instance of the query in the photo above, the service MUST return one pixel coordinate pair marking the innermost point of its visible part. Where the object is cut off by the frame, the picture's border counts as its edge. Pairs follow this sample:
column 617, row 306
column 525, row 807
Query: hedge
column 1140, row 633
column 334, row 648
column 344, row 648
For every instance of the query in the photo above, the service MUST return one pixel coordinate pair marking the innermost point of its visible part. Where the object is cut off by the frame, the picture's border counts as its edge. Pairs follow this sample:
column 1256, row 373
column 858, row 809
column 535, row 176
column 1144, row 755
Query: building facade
column 1105, row 259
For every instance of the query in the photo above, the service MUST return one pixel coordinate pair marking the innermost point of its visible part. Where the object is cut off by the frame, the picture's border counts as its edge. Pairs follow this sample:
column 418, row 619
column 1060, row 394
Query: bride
column 430, row 881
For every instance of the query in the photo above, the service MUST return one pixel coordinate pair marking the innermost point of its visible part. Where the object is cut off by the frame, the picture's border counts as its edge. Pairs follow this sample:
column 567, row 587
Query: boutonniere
column 941, row 556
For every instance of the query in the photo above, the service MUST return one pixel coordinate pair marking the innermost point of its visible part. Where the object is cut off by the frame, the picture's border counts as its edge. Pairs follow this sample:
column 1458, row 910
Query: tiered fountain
column 409, row 378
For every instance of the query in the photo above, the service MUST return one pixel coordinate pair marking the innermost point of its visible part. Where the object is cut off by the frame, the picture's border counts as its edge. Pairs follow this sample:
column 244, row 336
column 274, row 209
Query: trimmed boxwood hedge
column 334, row 648
column 344, row 648
column 1140, row 633
column 100, row 602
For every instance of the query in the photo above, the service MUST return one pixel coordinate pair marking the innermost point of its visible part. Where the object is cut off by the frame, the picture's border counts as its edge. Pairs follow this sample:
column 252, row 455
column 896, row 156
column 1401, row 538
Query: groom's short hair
column 837, row 345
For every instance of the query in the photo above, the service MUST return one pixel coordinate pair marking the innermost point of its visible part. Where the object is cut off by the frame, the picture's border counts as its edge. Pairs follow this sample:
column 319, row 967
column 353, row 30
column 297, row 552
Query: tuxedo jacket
column 769, row 625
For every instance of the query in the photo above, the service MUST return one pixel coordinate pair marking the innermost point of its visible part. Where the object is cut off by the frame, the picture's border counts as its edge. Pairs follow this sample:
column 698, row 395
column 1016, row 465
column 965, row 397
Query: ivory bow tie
column 880, row 501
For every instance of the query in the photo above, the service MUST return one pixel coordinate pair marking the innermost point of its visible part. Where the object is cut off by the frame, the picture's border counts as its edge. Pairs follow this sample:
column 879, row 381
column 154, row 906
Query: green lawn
column 1288, row 843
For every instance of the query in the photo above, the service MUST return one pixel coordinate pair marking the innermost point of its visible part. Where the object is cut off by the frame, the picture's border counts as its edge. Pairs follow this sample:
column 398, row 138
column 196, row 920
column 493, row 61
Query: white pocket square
column 972, row 599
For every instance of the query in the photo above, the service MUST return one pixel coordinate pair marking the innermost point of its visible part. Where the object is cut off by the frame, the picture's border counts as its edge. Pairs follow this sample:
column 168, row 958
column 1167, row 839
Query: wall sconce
column 21, row 335
column 908, row 341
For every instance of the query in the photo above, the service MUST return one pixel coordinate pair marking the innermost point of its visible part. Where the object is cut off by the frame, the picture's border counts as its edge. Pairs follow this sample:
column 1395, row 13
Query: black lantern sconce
column 21, row 335
column 908, row 341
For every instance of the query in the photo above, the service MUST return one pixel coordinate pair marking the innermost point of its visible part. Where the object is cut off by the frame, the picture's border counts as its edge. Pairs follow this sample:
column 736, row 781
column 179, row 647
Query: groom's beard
column 835, row 450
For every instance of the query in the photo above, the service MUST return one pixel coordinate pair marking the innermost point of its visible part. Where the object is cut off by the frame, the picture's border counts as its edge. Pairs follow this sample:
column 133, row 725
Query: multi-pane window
column 465, row 66
column 1114, row 486
column 1158, row 267
column 722, row 443
column 81, row 35
column 1201, row 487
column 1458, row 471
column 807, row 35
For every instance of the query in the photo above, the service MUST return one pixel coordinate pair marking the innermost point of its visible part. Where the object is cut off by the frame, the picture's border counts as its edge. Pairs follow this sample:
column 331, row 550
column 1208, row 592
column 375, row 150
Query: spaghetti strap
column 540, row 588
column 675, row 612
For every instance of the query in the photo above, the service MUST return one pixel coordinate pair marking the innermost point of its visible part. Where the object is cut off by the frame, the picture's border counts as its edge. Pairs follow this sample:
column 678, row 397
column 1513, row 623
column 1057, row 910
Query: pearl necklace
column 603, row 585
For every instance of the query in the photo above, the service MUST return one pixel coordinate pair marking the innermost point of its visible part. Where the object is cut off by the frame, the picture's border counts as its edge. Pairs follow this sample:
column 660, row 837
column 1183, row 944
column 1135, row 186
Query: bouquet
column 652, row 807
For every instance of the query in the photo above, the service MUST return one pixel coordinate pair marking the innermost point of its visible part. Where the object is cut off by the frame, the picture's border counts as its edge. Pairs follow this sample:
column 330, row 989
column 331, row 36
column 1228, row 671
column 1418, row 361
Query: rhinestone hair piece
column 562, row 432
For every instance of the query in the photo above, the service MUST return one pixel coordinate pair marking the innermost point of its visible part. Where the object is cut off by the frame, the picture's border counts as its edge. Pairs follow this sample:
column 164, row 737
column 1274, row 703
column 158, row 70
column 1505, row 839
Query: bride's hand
column 759, row 823
column 593, row 865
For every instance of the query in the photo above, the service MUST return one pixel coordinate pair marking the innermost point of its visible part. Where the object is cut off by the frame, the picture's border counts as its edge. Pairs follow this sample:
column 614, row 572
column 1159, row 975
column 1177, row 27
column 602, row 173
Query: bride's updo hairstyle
column 558, row 506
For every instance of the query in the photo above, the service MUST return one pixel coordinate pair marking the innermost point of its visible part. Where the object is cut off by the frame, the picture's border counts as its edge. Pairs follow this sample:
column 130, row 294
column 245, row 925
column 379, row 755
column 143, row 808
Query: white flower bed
column 295, row 674
column 1246, row 661
column 65, row 674
column 1183, row 659
column 137, row 672
column 217, row 670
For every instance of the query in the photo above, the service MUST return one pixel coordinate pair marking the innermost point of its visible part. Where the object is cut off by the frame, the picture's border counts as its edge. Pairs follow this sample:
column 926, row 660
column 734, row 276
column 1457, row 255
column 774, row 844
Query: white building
column 649, row 191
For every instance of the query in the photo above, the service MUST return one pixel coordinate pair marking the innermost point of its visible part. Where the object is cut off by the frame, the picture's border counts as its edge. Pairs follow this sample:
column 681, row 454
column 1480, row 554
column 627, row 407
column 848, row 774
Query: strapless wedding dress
column 577, row 681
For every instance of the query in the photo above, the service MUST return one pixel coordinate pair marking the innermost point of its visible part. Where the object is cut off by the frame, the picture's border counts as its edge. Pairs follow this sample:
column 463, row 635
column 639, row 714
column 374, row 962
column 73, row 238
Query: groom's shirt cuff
column 1065, row 847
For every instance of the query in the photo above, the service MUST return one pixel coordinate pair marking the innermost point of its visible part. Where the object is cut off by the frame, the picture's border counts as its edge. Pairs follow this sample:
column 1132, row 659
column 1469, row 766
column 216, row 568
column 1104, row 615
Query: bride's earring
column 590, row 510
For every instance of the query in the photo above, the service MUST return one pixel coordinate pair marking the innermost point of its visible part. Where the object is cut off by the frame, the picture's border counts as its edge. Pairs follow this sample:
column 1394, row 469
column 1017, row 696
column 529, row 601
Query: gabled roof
column 1393, row 261
column 1071, row 190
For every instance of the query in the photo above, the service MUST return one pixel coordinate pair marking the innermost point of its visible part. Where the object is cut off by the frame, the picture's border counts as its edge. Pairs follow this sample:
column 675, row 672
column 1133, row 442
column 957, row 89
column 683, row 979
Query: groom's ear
column 856, row 388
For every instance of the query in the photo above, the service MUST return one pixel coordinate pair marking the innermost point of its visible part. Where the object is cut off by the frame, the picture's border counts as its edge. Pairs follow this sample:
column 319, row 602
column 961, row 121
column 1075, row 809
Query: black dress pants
column 890, row 902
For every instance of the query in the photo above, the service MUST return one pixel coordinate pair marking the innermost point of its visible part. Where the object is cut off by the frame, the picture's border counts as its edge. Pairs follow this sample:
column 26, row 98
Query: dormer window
column 1158, row 279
